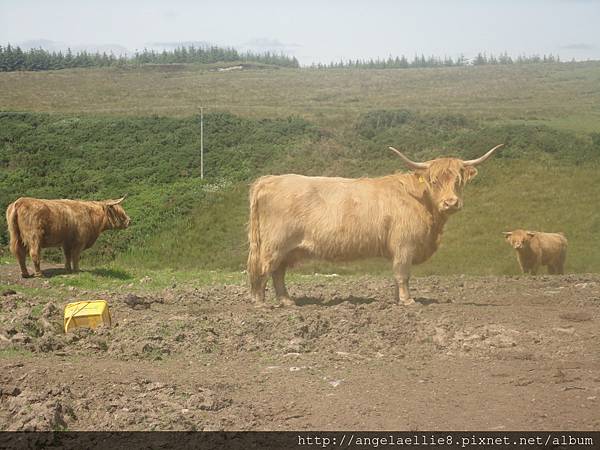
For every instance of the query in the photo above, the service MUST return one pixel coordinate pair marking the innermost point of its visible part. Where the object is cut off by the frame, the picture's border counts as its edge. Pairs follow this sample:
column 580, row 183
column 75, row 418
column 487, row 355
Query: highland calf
column 400, row 217
column 74, row 225
column 535, row 249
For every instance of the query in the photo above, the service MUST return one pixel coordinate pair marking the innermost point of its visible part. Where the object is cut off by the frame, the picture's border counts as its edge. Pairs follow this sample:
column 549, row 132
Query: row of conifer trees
column 402, row 62
column 13, row 58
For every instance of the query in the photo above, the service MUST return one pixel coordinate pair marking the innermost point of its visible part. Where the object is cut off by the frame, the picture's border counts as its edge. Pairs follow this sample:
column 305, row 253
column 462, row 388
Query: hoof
column 38, row 275
column 286, row 301
column 25, row 275
column 261, row 305
column 408, row 302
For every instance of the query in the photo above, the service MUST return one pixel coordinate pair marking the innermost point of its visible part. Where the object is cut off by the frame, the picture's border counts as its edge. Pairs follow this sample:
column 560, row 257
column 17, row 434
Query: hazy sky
column 311, row 30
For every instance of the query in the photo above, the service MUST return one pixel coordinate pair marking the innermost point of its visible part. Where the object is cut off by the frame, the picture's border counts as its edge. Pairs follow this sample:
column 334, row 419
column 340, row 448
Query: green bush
column 427, row 136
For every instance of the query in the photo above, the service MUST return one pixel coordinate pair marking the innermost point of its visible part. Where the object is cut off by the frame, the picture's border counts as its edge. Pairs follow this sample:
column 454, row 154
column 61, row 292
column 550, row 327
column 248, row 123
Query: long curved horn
column 116, row 202
column 409, row 163
column 475, row 162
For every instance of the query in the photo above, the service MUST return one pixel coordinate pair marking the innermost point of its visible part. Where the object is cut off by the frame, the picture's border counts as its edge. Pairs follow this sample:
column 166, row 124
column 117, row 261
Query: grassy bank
column 154, row 160
column 546, row 178
column 565, row 95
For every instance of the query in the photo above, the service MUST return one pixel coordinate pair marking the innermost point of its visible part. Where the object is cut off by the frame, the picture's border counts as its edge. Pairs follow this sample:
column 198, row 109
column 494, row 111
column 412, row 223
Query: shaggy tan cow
column 74, row 225
column 399, row 217
column 535, row 249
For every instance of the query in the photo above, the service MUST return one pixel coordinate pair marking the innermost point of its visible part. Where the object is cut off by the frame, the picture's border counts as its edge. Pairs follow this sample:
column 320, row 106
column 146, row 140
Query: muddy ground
column 494, row 353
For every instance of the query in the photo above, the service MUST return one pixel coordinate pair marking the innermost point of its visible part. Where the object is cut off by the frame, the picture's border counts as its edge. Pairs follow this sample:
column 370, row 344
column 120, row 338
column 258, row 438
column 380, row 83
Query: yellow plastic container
column 89, row 314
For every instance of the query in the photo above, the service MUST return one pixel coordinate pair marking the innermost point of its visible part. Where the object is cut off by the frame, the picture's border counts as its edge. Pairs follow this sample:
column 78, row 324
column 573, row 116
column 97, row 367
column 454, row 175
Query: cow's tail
column 254, row 266
column 13, row 228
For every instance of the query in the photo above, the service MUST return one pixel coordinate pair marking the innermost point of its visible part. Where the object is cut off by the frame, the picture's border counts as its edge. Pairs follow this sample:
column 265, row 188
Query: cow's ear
column 422, row 175
column 469, row 173
column 507, row 234
column 531, row 233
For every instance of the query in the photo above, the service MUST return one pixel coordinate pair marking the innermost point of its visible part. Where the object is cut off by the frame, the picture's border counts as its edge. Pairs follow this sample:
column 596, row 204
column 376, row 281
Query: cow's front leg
column 522, row 265
column 402, row 265
column 535, row 265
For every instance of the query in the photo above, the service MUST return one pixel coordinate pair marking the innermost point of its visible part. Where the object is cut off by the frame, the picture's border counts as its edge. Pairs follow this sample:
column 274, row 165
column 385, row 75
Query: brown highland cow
column 400, row 217
column 535, row 249
column 74, row 225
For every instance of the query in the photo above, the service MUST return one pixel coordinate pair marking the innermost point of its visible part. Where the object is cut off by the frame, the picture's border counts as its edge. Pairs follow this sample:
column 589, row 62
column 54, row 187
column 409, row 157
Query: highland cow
column 74, row 225
column 535, row 249
column 400, row 217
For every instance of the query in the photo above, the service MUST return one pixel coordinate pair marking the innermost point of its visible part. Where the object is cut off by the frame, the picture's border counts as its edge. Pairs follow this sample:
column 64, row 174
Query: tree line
column 13, row 58
column 403, row 62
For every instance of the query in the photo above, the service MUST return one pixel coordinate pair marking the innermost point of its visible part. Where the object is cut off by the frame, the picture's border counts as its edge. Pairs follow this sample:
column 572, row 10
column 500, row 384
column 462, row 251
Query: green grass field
column 100, row 133
column 566, row 95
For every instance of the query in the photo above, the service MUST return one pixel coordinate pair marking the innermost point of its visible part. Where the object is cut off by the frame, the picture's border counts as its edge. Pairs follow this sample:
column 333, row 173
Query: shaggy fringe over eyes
column 444, row 171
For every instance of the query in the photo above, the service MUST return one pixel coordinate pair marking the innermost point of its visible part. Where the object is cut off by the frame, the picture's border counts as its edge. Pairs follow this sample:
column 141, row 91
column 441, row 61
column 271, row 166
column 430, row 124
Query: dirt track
column 495, row 353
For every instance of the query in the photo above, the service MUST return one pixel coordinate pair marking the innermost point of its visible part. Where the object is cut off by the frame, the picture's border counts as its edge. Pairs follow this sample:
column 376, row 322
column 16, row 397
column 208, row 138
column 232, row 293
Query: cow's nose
column 451, row 202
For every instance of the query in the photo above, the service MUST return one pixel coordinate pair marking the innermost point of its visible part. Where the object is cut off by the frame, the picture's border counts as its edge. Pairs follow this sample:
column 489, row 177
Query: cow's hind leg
column 67, row 252
column 258, row 285
column 258, row 282
column 256, row 276
column 279, row 285
column 21, row 255
column 270, row 267
column 35, row 251
column 75, row 252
